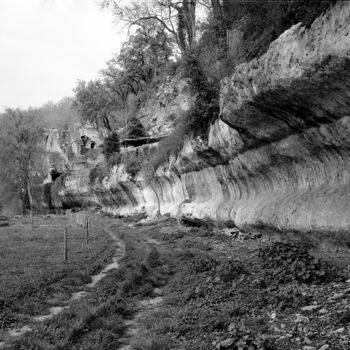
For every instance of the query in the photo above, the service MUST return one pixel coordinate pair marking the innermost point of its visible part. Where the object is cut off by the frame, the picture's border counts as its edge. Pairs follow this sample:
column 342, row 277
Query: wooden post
column 65, row 244
column 87, row 230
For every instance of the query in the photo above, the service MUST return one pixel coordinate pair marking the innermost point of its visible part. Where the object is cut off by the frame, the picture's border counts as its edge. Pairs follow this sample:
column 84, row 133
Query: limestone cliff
column 278, row 155
column 162, row 109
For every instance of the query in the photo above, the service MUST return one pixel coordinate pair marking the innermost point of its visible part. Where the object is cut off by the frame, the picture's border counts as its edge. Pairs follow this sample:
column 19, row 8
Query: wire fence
column 77, row 218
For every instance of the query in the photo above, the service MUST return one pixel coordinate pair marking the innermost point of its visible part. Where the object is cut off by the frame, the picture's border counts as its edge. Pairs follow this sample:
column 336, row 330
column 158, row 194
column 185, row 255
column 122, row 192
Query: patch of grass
column 34, row 275
column 98, row 321
column 152, row 342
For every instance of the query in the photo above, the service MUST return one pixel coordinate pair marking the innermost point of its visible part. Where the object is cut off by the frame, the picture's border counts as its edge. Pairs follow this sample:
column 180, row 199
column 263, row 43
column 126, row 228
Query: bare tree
column 177, row 17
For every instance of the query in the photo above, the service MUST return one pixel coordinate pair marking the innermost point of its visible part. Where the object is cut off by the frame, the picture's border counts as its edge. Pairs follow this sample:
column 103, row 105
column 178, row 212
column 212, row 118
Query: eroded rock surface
column 278, row 156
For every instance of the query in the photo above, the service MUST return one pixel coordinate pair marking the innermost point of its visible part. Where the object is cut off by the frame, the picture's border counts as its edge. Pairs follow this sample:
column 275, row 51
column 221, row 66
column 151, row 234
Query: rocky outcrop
column 161, row 109
column 278, row 156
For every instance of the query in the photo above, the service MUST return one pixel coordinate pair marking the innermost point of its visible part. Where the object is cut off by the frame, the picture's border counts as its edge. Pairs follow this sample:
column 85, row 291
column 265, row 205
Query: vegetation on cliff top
column 197, row 38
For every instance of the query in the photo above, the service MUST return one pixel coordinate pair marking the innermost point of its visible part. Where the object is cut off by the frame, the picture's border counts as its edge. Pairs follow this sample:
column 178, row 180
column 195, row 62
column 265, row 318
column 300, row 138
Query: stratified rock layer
column 279, row 154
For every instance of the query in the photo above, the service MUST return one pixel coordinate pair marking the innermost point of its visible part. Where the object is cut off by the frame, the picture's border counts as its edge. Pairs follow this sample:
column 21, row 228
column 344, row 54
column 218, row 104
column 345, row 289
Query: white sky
column 47, row 45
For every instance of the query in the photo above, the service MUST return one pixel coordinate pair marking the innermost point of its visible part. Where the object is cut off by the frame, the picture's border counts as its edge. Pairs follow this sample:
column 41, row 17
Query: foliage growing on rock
column 110, row 146
column 97, row 173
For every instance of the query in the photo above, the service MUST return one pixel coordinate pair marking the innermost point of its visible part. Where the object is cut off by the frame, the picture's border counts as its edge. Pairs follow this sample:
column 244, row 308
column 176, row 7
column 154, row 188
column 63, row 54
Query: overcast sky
column 47, row 45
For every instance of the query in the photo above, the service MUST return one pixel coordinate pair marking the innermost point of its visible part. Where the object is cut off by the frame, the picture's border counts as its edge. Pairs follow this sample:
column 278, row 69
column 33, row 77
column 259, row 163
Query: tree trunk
column 158, row 200
column 218, row 13
column 30, row 195
column 189, row 7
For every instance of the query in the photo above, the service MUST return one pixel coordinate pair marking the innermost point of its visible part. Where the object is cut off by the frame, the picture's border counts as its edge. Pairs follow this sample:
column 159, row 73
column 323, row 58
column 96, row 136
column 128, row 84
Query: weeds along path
column 143, row 306
column 96, row 223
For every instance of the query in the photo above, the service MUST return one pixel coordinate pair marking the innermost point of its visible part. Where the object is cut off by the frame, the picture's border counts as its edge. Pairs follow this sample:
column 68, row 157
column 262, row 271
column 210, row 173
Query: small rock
column 158, row 291
column 286, row 336
column 310, row 308
column 340, row 330
column 231, row 327
column 273, row 315
column 324, row 347
column 255, row 235
column 301, row 318
column 337, row 296
column 323, row 311
column 225, row 344
column 307, row 341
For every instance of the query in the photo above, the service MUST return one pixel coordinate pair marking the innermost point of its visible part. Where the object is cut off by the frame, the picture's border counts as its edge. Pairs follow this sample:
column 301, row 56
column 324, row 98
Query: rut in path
column 145, row 306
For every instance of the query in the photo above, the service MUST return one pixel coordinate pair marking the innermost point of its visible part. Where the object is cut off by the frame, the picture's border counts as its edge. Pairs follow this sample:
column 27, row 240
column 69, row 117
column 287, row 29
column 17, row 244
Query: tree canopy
column 176, row 17
column 21, row 153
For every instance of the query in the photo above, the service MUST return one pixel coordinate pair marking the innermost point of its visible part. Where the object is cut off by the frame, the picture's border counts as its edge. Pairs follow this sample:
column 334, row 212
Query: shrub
column 110, row 146
column 264, row 21
column 99, row 172
column 135, row 129
column 132, row 163
column 172, row 68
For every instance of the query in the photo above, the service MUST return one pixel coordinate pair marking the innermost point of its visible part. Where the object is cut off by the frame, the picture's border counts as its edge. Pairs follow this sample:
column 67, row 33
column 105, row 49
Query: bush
column 110, row 146
column 172, row 68
column 135, row 129
column 265, row 21
column 132, row 163
column 97, row 173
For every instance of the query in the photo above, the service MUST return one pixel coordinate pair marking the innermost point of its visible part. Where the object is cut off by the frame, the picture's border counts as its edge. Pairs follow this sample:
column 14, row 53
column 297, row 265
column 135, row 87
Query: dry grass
column 97, row 321
column 34, row 275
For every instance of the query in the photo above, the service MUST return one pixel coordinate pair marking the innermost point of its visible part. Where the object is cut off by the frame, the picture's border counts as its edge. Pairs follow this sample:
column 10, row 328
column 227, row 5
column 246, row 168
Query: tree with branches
column 94, row 102
column 176, row 17
column 21, row 155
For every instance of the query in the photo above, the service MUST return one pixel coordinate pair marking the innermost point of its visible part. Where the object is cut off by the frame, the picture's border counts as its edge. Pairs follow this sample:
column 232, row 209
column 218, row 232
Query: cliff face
column 277, row 157
column 161, row 110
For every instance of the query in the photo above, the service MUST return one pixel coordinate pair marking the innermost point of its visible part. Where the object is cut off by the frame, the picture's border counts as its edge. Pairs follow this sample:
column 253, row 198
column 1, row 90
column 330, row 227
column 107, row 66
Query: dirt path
column 144, row 306
column 134, row 325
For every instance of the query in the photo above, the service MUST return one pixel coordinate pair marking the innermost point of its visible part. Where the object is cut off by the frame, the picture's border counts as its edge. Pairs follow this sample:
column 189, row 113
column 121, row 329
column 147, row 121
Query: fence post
column 65, row 243
column 87, row 230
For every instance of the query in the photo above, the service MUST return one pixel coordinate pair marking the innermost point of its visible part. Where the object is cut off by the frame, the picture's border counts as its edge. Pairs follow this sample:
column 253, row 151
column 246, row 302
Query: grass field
column 34, row 275
column 217, row 293
column 97, row 320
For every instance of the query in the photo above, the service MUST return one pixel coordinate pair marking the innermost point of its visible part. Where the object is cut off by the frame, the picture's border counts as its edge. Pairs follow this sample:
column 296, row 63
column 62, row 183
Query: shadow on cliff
column 317, row 98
